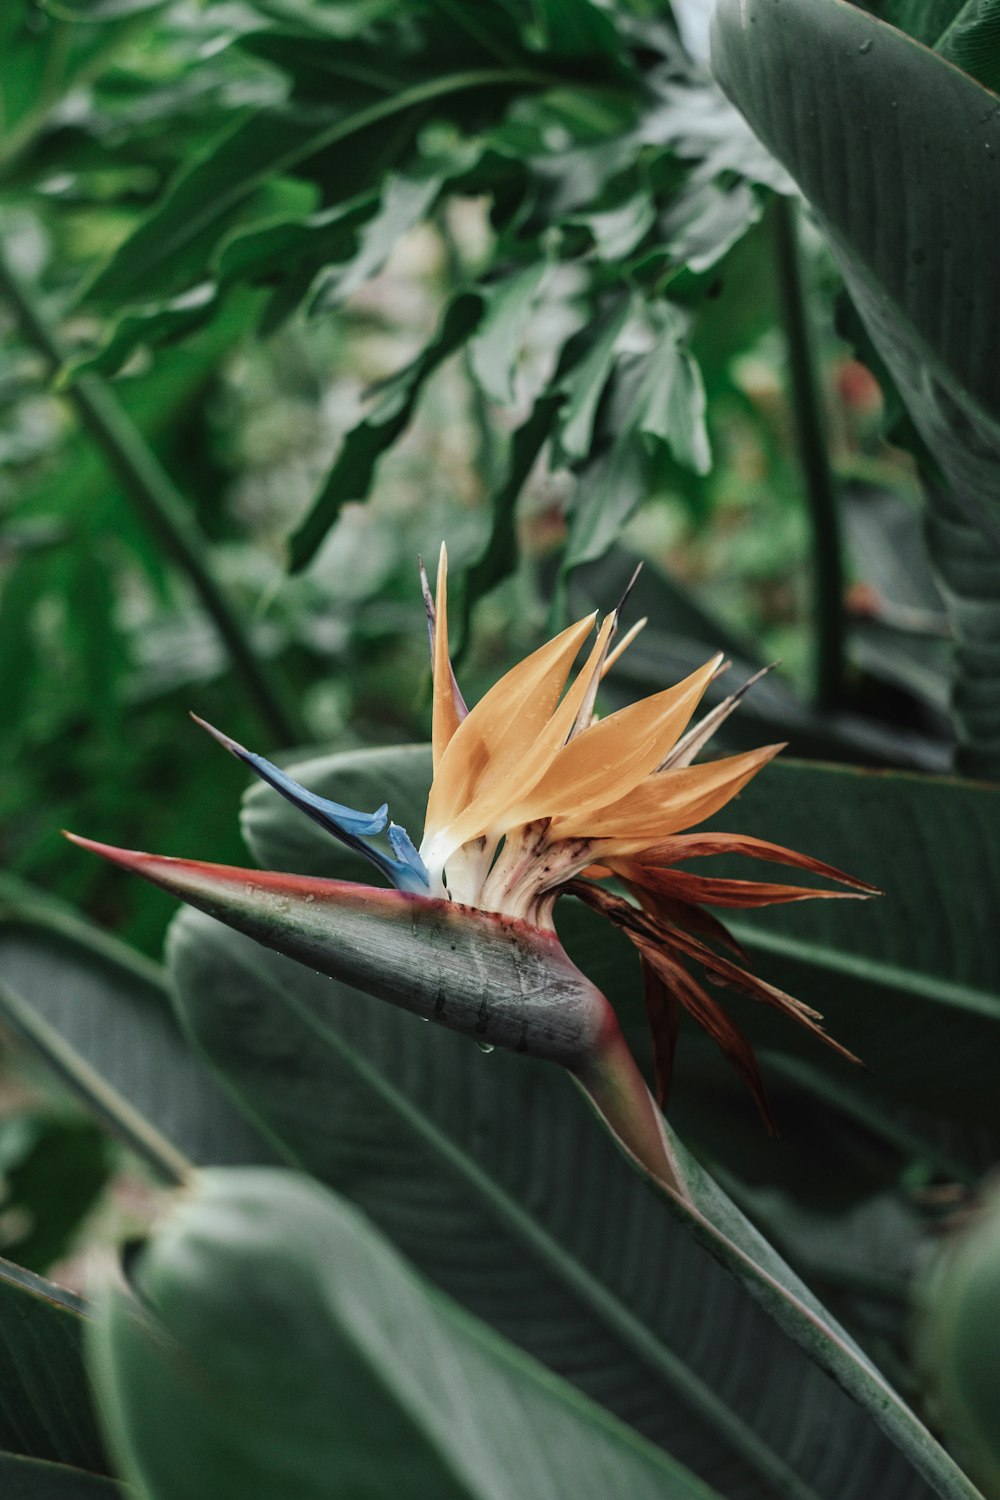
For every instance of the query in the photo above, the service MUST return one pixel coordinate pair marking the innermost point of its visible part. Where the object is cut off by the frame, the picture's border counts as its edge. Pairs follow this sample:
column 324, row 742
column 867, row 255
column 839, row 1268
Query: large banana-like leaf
column 46, row 1411
column 898, row 152
column 33, row 1479
column 488, row 1174
column 240, row 1004
column 333, row 1370
column 109, row 1008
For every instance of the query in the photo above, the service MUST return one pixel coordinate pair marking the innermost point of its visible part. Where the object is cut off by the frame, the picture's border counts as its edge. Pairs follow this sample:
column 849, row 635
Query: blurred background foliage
column 290, row 291
column 364, row 277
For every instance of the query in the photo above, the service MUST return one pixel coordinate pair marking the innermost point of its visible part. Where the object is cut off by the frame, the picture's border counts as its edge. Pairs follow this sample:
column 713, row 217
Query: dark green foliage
column 291, row 291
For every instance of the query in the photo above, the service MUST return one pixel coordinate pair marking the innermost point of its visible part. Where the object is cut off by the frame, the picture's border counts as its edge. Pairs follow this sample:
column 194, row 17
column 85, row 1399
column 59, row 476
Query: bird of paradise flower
column 533, row 797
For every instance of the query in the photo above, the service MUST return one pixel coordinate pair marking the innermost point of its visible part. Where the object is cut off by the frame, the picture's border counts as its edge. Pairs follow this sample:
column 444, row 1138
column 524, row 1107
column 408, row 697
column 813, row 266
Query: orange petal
column 624, row 644
column 666, row 802
column 727, row 973
column 663, row 1013
column 698, row 736
column 696, row 845
column 482, row 769
column 712, row 1018
column 447, row 715
column 606, row 761
column 671, row 913
column 681, row 886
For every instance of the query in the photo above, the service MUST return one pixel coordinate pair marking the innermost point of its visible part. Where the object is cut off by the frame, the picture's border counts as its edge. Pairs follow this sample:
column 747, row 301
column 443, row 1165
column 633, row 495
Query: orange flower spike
column 447, row 715
column 483, row 766
column 667, row 802
column 612, row 757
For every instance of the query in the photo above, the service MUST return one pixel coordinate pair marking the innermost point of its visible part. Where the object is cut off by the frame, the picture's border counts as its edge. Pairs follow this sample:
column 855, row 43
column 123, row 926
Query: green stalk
column 158, row 502
column 806, row 401
column 611, row 1080
column 94, row 1091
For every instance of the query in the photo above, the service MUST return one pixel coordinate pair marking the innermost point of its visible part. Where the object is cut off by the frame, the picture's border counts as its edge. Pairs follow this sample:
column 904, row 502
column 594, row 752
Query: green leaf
column 656, row 403
column 46, row 1412
column 496, row 345
column 899, row 157
column 418, row 1105
column 261, row 250
column 333, row 1370
column 53, row 1170
column 406, row 202
column 923, row 19
column 201, row 203
column 61, row 981
column 469, row 1163
column 36, row 72
column 617, row 231
column 574, row 28
column 498, row 558
column 584, row 384
column 158, row 323
column 957, row 1359
column 33, row 1479
column 972, row 41
column 99, row 10
column 609, row 491
column 353, row 471
column 158, row 401
column 706, row 221
column 921, row 949
column 669, row 401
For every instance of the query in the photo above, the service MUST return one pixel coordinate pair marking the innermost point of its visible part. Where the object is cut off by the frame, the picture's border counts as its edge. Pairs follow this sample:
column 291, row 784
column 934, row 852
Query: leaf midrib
column 950, row 992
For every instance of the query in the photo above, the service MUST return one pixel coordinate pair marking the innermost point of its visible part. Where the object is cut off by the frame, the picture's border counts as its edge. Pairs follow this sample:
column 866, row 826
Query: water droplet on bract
column 485, row 1047
column 866, row 47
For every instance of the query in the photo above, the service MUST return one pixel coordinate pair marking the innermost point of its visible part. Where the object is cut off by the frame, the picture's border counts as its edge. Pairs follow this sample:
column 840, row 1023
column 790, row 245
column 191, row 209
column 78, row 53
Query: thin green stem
column 611, row 1080
column 76, row 1073
column 821, row 493
column 159, row 504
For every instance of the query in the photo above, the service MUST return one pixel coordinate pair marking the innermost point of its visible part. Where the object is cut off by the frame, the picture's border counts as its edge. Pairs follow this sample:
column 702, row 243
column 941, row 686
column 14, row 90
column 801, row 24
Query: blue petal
column 410, row 872
column 407, row 871
column 333, row 816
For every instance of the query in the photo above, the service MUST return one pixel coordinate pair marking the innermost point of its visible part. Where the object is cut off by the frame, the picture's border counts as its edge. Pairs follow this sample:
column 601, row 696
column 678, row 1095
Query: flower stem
column 612, row 1082
column 159, row 504
column 806, row 401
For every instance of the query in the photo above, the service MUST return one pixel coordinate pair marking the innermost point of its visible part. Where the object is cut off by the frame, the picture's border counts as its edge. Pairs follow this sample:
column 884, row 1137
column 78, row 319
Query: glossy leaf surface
column 333, row 1371
column 110, row 1006
column 46, row 1409
column 471, row 1164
